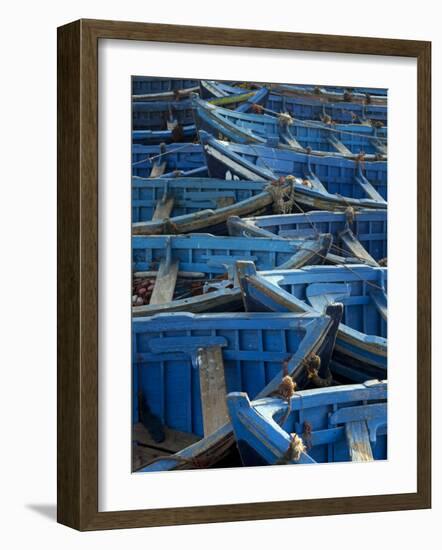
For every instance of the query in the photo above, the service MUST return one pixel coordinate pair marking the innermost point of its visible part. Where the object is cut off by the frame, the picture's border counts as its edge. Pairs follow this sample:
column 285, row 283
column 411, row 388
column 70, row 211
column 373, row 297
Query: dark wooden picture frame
column 78, row 273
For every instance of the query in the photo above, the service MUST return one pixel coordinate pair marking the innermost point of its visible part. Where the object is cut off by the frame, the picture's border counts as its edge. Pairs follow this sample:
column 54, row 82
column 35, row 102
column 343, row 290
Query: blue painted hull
column 312, row 108
column 320, row 417
column 147, row 84
column 191, row 194
column 213, row 255
column 154, row 115
column 212, row 260
column 198, row 204
column 178, row 157
column 369, row 226
column 321, row 183
column 361, row 342
column 254, row 349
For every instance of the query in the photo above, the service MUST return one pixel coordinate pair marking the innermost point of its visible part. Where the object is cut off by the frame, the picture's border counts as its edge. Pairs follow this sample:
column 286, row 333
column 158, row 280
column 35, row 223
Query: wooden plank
column 380, row 301
column 165, row 282
column 369, row 189
column 358, row 441
column 339, row 146
column 380, row 146
column 353, row 244
column 158, row 169
column 163, row 208
column 213, row 388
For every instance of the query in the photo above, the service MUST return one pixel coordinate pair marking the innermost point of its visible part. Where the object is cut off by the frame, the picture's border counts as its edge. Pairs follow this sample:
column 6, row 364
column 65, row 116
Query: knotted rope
column 283, row 195
column 295, row 449
column 285, row 119
column 312, row 364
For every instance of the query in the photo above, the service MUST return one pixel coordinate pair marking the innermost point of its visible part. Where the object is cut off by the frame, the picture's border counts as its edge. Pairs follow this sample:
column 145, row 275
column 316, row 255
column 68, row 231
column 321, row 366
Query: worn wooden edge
column 77, row 219
column 424, row 275
column 187, row 34
column 68, row 275
column 255, row 511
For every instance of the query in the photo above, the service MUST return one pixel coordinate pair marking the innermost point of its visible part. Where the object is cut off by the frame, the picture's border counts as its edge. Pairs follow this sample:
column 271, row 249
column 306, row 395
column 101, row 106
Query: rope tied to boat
column 257, row 109
column 169, row 228
column 312, row 364
column 287, row 387
column 307, row 434
column 285, row 119
column 294, row 450
column 350, row 215
column 283, row 194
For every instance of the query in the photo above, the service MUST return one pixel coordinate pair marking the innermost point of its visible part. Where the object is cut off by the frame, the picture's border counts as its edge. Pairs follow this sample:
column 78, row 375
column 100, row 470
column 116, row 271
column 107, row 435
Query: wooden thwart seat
column 165, row 282
column 213, row 388
column 358, row 441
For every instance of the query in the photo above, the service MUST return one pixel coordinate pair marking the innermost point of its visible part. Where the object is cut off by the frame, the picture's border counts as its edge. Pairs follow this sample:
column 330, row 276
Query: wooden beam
column 339, row 146
column 353, row 244
column 369, row 189
column 358, row 441
column 163, row 208
column 213, row 388
column 165, row 282
column 158, row 169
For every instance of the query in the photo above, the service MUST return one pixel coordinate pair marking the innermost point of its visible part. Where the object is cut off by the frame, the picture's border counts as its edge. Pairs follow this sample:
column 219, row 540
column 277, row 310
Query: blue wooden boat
column 185, row 205
column 334, row 424
column 218, row 89
column 361, row 343
column 171, row 160
column 320, row 183
column 357, row 92
column 147, row 88
column 165, row 116
column 317, row 138
column 252, row 352
column 312, row 107
column 166, row 263
column 334, row 96
column 161, row 115
column 357, row 236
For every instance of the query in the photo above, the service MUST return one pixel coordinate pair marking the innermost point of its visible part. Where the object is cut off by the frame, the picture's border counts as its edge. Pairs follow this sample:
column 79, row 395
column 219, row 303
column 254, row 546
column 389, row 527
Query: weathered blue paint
column 254, row 348
column 147, row 137
column 213, row 255
column 191, row 194
column 298, row 135
column 149, row 84
column 177, row 156
column 369, row 226
column 318, row 416
column 154, row 115
column 313, row 108
column 325, row 183
column 362, row 336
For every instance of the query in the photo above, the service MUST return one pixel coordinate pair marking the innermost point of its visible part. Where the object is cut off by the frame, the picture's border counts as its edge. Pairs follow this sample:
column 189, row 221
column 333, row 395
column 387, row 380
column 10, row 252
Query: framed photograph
column 234, row 207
